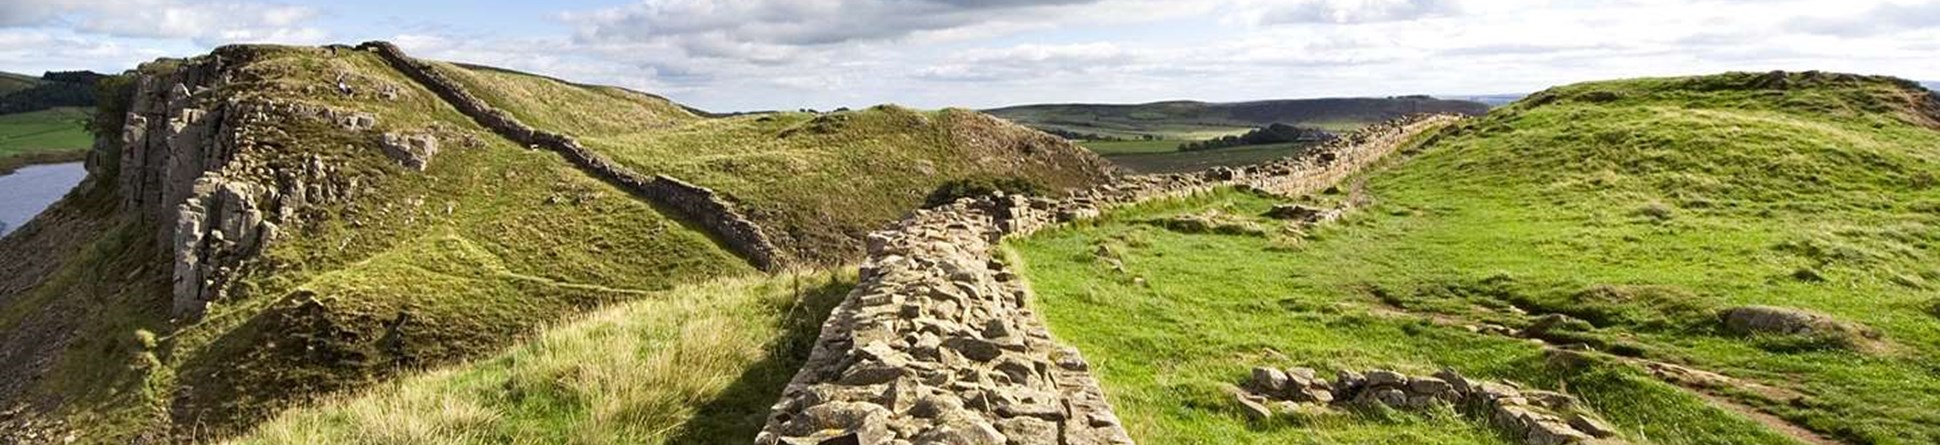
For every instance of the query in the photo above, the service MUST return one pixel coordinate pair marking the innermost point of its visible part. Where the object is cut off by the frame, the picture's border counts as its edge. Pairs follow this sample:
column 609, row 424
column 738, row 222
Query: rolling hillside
column 333, row 223
column 1188, row 120
column 1598, row 239
column 10, row 82
column 1144, row 138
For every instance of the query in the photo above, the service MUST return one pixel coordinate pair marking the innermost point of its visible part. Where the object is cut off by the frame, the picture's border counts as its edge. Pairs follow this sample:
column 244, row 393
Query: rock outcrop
column 1538, row 417
column 414, row 151
column 938, row 342
column 691, row 202
column 193, row 163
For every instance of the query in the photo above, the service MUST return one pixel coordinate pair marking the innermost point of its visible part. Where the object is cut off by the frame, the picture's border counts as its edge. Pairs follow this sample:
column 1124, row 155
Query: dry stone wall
column 694, row 203
column 938, row 343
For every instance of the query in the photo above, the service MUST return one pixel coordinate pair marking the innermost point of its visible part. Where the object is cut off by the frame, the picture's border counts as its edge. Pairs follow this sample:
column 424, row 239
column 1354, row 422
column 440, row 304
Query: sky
column 740, row 55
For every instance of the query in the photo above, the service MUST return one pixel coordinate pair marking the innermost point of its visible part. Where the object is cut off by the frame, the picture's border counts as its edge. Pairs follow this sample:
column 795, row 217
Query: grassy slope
column 10, row 82
column 699, row 364
column 492, row 241
column 821, row 180
column 1537, row 206
column 56, row 134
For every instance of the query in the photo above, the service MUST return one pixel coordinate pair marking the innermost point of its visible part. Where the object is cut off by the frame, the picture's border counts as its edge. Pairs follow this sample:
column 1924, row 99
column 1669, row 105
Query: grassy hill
column 10, row 82
column 406, row 271
column 819, row 181
column 1639, row 208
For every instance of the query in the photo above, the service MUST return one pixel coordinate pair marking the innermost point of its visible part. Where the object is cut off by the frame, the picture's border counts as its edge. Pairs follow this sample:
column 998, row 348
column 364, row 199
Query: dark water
column 29, row 190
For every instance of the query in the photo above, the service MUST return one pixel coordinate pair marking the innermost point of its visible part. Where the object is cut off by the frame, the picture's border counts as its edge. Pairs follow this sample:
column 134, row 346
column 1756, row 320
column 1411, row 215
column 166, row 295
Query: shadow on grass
column 738, row 412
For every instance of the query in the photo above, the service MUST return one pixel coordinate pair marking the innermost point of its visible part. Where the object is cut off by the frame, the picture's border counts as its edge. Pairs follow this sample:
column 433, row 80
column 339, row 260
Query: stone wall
column 693, row 203
column 938, row 344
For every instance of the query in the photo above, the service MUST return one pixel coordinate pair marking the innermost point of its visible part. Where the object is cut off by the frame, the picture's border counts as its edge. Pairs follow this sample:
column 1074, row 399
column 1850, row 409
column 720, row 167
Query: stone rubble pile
column 1539, row 417
column 937, row 342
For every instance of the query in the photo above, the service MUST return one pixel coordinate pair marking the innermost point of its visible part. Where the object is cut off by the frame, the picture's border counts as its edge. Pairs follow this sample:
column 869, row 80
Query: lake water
column 29, row 190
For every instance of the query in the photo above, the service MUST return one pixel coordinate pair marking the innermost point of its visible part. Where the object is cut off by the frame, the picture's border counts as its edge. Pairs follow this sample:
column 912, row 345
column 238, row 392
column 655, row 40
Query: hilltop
column 285, row 223
column 1614, row 241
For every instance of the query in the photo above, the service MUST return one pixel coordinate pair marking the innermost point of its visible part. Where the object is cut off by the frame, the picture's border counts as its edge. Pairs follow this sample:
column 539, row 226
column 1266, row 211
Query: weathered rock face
column 938, row 344
column 186, row 165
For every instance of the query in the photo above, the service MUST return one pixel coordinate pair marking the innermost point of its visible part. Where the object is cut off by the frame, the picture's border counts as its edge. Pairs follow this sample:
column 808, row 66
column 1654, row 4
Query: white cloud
column 1354, row 11
column 1880, row 19
column 213, row 21
column 1029, row 62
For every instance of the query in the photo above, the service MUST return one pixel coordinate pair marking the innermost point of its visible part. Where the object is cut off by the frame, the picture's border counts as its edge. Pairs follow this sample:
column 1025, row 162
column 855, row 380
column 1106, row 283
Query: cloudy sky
column 768, row 54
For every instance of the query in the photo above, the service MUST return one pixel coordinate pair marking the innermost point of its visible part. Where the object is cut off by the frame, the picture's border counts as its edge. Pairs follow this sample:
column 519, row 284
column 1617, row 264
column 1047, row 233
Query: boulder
column 1746, row 320
column 1296, row 212
column 1269, row 381
column 412, row 150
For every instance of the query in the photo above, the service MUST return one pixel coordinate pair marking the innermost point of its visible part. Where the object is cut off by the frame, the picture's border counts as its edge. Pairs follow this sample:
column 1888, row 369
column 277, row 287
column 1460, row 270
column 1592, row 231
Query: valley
column 1146, row 138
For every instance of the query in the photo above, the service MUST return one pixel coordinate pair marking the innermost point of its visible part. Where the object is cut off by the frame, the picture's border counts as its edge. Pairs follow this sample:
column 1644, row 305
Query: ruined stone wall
column 694, row 203
column 938, row 343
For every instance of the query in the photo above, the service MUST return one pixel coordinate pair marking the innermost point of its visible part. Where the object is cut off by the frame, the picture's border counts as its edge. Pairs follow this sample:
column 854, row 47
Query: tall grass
column 699, row 364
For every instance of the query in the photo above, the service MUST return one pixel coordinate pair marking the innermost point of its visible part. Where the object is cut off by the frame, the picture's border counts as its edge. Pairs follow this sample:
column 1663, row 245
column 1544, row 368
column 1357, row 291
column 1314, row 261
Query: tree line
column 56, row 89
column 1270, row 134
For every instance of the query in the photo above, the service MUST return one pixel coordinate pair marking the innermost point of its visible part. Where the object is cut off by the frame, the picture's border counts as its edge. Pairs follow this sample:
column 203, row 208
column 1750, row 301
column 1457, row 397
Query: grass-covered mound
column 410, row 269
column 1641, row 208
column 698, row 364
column 815, row 181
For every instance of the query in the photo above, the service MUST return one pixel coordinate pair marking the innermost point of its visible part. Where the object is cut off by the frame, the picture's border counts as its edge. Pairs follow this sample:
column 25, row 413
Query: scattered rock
column 412, row 150
column 1539, row 417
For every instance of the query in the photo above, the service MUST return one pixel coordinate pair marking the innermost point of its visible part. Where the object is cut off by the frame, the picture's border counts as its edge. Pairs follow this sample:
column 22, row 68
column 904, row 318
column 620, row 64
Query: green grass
column 815, row 181
column 43, row 136
column 1643, row 206
column 699, row 364
column 416, row 270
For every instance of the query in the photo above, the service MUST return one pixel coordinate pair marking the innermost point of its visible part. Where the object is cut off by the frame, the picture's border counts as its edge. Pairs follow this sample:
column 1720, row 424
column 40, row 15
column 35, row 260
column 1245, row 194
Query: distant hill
column 10, row 82
column 1188, row 120
column 20, row 93
column 1931, row 85
column 1493, row 100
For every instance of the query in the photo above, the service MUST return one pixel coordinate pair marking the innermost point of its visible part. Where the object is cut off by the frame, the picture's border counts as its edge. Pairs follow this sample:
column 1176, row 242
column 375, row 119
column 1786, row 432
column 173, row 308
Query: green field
column 1188, row 120
column 1641, row 207
column 43, row 136
column 1163, row 156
